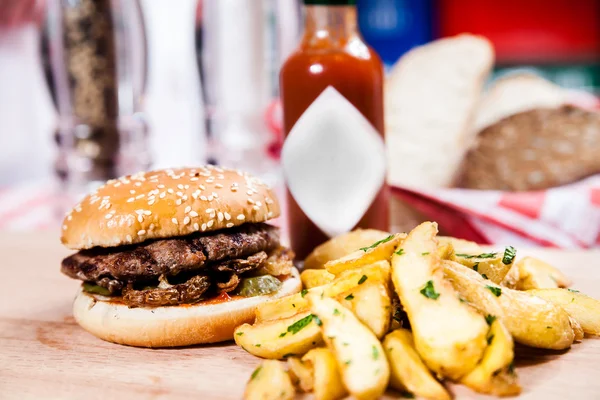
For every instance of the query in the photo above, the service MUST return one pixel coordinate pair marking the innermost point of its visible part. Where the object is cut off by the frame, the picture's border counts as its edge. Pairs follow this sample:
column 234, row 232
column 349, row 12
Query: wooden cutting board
column 44, row 353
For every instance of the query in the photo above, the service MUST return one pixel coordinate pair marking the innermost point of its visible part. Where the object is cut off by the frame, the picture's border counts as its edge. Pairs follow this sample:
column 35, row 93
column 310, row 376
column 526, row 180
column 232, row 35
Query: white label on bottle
column 334, row 163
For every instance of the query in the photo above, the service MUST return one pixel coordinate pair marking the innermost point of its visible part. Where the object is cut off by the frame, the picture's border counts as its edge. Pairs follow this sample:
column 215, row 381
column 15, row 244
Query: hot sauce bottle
column 333, row 62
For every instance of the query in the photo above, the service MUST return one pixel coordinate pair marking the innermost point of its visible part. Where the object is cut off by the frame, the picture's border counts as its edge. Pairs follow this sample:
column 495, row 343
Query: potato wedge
column 537, row 274
column 302, row 373
column 328, row 383
column 577, row 329
column 511, row 280
column 315, row 277
column 460, row 245
column 379, row 251
column 269, row 382
column 449, row 335
column 280, row 338
column 341, row 246
column 493, row 266
column 526, row 317
column 288, row 306
column 408, row 372
column 498, row 357
column 584, row 309
column 360, row 357
column 446, row 251
column 371, row 304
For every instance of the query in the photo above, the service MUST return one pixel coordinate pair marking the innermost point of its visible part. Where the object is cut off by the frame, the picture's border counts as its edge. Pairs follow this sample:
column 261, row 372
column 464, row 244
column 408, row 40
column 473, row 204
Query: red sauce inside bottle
column 332, row 53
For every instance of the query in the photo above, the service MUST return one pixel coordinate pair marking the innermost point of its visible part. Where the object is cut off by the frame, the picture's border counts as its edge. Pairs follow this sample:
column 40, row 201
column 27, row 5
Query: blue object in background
column 392, row 27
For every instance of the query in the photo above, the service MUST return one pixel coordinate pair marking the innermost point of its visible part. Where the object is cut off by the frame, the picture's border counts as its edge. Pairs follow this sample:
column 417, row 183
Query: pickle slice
column 91, row 288
column 258, row 286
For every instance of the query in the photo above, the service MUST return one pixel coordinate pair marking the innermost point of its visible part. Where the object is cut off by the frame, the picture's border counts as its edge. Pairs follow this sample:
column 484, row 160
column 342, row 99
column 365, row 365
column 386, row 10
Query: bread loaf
column 533, row 150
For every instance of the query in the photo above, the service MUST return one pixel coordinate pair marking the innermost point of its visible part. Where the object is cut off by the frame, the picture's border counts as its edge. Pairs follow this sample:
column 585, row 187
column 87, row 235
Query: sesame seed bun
column 167, row 203
column 171, row 326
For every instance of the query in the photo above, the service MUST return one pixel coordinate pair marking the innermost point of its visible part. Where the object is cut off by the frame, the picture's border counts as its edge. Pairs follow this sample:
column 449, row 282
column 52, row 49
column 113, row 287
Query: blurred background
column 92, row 89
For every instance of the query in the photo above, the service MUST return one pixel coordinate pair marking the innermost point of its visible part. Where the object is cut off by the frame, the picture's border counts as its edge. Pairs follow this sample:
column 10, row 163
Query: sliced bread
column 431, row 96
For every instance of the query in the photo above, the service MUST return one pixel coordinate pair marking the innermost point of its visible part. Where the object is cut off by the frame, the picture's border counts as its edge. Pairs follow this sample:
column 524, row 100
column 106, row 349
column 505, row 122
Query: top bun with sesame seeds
column 165, row 204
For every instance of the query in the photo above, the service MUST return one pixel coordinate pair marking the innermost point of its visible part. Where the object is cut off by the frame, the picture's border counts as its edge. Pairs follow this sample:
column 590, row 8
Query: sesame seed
column 203, row 227
column 194, row 179
column 142, row 232
column 161, row 186
column 162, row 195
column 249, row 192
column 203, row 198
column 218, row 186
column 108, row 216
column 152, row 226
column 64, row 227
column 78, row 209
column 202, row 187
column 196, row 226
column 140, row 218
column 179, row 194
column 184, row 197
column 193, row 214
column 132, row 191
column 180, row 186
column 229, row 225
column 209, row 210
column 215, row 195
column 258, row 203
column 178, row 202
column 188, row 209
column 130, row 200
column 170, row 190
column 69, row 217
column 186, row 220
column 129, row 222
column 129, row 239
column 256, row 208
column 186, row 187
column 234, row 189
column 138, row 184
column 210, row 223
column 147, row 212
column 227, row 216
column 270, row 214
column 250, row 201
column 139, row 196
column 175, row 221
column 151, row 202
column 220, row 216
column 241, row 217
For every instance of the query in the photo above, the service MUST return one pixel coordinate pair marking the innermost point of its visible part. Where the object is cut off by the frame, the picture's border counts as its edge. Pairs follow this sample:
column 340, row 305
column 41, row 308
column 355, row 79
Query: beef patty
column 218, row 256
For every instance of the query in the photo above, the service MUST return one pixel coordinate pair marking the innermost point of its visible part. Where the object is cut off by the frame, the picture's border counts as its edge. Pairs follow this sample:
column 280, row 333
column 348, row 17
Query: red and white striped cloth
column 31, row 206
column 563, row 217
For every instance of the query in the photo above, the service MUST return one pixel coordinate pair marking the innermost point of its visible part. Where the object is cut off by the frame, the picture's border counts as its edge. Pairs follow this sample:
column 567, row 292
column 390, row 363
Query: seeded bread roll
column 167, row 203
column 534, row 150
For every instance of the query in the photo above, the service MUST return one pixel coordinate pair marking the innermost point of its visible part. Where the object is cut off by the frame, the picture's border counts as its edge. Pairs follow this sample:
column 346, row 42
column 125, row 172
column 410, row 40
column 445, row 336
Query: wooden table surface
column 44, row 353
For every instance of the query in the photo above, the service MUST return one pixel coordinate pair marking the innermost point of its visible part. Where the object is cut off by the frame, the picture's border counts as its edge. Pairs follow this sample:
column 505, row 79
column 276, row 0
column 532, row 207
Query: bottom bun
column 171, row 326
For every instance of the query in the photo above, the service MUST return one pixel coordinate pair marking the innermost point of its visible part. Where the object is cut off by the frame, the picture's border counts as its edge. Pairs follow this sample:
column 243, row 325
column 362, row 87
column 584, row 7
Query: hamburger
column 175, row 257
